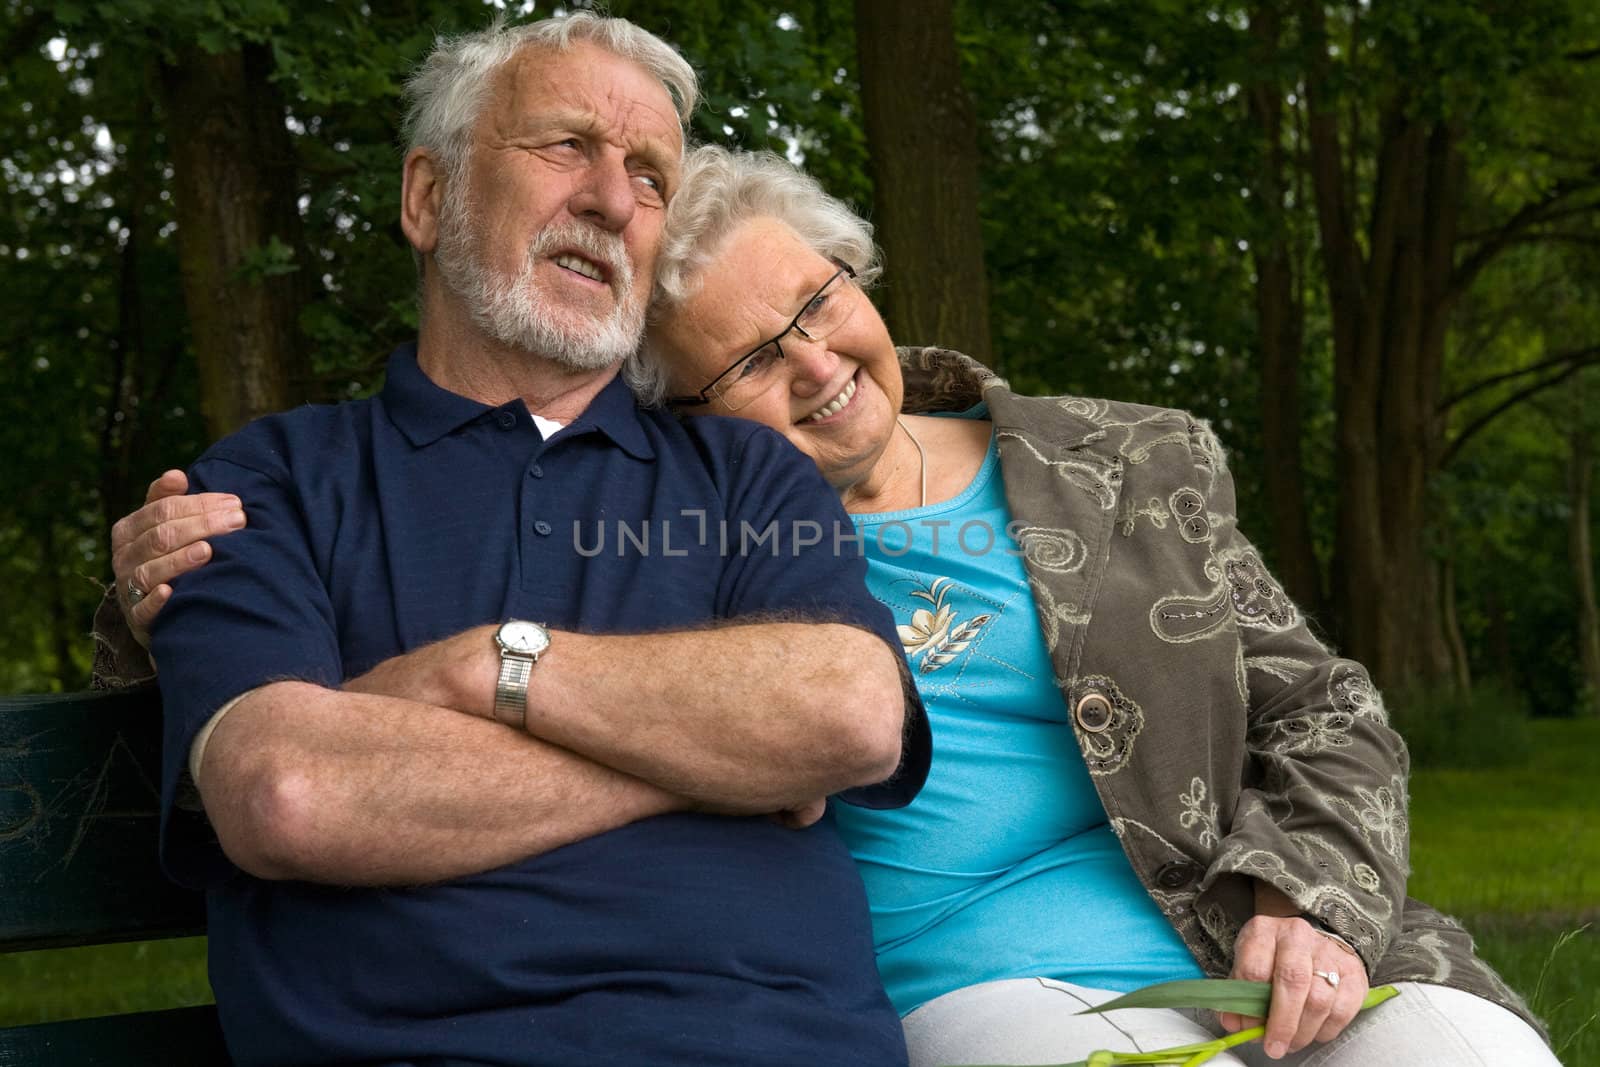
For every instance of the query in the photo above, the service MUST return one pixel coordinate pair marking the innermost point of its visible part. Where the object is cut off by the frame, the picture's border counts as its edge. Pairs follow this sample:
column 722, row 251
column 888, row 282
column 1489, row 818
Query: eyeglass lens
column 827, row 310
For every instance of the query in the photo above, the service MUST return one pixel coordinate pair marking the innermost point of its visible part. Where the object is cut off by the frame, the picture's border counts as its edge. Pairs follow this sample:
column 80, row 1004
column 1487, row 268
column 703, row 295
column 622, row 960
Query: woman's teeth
column 836, row 405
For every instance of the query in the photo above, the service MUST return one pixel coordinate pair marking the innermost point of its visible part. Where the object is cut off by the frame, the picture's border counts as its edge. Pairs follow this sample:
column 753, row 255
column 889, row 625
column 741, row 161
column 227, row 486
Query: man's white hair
column 447, row 90
column 720, row 190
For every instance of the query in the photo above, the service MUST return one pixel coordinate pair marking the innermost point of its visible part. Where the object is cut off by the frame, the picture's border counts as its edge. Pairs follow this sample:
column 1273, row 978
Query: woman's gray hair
column 447, row 90
column 720, row 190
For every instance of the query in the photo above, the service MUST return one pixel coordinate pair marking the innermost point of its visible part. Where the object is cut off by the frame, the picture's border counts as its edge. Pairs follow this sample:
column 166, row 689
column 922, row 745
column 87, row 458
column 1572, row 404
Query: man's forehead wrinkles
column 637, row 125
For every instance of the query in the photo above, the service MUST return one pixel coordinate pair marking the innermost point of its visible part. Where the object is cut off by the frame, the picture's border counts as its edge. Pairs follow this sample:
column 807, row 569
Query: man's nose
column 605, row 194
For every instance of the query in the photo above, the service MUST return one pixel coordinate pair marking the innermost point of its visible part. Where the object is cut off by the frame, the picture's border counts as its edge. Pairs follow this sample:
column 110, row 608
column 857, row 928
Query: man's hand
column 164, row 539
column 1294, row 956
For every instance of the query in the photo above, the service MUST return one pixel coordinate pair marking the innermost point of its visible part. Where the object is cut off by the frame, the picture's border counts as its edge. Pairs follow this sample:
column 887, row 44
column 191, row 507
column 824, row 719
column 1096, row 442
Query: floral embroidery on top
column 1061, row 551
column 1197, row 813
column 1381, row 815
column 1129, row 516
column 935, row 634
column 1258, row 599
column 1351, row 691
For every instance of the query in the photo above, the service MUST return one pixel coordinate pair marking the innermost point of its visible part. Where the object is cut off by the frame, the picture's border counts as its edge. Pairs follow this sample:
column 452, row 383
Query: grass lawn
column 72, row 983
column 1513, row 852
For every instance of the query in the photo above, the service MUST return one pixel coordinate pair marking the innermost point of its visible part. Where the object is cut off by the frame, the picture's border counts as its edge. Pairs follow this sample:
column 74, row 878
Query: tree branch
column 1528, row 215
column 1511, row 401
column 1551, row 216
column 1579, row 356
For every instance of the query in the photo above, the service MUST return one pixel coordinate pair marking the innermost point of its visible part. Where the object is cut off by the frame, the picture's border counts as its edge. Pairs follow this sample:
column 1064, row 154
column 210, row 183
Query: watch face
column 527, row 638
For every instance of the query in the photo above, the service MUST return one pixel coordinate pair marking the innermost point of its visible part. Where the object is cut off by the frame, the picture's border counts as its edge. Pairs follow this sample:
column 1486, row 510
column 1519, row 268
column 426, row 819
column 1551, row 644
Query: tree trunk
column 1280, row 324
column 1580, row 479
column 125, row 413
column 923, row 137
column 235, row 183
column 1461, row 666
column 1390, row 307
column 1498, row 636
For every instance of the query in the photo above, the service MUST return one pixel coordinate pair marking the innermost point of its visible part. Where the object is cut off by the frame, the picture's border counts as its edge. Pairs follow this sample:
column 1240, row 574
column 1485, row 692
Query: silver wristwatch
column 521, row 644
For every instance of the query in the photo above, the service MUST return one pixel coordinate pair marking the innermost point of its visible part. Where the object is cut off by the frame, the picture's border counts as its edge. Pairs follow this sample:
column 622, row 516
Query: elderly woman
column 1145, row 766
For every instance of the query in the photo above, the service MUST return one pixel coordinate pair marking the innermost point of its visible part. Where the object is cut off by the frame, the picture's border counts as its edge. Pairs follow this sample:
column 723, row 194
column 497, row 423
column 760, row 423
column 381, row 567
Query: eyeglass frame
column 776, row 340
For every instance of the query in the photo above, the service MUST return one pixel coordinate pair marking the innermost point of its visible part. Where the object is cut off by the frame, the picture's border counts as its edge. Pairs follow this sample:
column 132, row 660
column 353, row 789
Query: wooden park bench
column 79, row 796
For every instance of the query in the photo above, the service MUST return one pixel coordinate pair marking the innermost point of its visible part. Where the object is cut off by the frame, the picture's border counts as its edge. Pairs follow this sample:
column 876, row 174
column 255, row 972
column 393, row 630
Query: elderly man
column 437, row 831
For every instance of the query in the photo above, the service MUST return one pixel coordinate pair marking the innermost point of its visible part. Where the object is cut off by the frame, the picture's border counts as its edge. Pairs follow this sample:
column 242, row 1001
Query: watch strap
column 511, row 690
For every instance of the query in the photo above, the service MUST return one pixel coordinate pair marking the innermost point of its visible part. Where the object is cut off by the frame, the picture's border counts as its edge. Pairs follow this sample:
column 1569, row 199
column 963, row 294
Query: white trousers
column 1031, row 1021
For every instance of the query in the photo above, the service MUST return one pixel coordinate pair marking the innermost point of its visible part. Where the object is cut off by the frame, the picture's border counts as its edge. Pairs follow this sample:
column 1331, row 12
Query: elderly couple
column 460, row 792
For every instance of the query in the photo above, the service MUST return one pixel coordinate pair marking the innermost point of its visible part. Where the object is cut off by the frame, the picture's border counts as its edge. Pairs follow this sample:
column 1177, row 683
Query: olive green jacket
column 1226, row 742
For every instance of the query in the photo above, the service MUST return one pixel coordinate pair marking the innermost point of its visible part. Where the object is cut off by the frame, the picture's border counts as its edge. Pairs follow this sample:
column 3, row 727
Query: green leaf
column 1218, row 994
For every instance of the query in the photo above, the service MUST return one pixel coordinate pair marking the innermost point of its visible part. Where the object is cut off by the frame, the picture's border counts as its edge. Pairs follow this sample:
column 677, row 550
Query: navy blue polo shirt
column 381, row 525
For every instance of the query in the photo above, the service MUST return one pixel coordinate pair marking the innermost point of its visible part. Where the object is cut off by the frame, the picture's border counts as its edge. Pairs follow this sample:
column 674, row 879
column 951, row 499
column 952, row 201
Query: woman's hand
column 163, row 539
column 1296, row 958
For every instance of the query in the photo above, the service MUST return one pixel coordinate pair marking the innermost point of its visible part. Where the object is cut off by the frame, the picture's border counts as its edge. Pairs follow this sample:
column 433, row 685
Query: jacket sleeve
column 1321, row 814
column 119, row 660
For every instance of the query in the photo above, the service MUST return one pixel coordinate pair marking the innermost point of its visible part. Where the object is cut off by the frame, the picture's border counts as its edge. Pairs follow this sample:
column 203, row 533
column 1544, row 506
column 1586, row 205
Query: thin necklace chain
column 922, row 459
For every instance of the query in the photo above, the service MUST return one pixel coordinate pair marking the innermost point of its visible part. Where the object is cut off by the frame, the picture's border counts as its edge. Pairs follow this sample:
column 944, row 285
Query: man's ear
column 421, row 194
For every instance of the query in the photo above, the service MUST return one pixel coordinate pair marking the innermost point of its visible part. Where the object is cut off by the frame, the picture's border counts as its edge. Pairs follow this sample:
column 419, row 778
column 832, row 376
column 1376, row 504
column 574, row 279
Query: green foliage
column 1115, row 199
column 1121, row 203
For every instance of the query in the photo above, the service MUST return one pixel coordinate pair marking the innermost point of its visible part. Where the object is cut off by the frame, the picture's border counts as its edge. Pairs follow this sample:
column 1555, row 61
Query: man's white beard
column 516, row 312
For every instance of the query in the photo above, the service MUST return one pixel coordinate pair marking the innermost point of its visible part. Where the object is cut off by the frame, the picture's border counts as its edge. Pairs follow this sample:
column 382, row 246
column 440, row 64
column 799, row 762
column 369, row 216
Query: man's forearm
column 346, row 788
column 753, row 717
column 766, row 714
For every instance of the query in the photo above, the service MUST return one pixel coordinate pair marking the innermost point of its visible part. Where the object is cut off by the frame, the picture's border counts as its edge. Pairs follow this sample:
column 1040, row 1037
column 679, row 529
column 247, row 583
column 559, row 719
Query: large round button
column 506, row 420
column 1176, row 875
column 1093, row 713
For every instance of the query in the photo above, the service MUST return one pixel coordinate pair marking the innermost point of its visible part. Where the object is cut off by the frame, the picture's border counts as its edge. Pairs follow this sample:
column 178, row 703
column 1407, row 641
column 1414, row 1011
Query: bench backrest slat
column 79, row 797
column 180, row 1037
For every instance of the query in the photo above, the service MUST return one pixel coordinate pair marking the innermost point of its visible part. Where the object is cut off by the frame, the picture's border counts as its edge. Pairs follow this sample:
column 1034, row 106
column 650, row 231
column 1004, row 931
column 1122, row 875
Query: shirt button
column 506, row 420
column 1177, row 875
column 1093, row 713
column 536, row 471
column 541, row 528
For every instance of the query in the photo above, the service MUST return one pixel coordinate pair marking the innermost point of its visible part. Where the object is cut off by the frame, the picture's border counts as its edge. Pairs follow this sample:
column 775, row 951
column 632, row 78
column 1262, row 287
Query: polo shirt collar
column 614, row 413
column 424, row 412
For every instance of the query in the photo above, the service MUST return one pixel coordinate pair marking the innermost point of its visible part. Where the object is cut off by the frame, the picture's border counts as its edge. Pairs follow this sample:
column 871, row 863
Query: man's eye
column 650, row 180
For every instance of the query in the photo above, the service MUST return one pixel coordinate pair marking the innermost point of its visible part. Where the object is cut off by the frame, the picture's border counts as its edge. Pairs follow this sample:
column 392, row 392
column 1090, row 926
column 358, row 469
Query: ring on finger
column 1331, row 977
column 135, row 594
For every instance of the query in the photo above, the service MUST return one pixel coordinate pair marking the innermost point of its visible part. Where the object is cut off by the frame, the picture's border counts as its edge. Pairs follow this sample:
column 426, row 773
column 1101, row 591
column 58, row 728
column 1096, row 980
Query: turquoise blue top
column 1004, row 866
